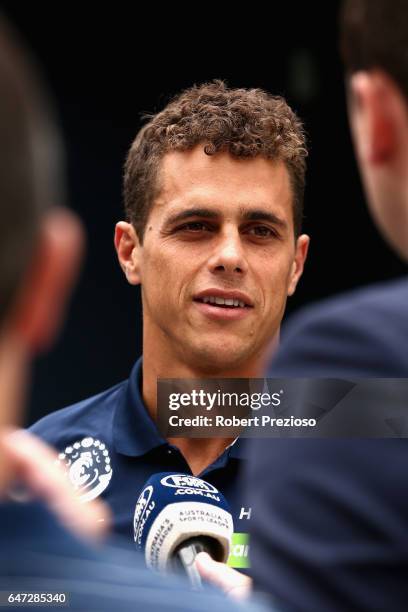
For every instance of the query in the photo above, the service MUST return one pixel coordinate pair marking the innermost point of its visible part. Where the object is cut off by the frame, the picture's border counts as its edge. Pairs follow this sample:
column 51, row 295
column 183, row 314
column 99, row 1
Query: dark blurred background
column 107, row 65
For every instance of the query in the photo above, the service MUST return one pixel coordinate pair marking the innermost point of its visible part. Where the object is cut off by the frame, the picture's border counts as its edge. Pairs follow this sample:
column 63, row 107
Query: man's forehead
column 184, row 166
column 193, row 178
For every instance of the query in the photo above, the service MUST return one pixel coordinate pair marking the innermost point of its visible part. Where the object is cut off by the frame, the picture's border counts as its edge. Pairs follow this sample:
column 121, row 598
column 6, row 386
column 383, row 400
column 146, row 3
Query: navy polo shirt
column 109, row 446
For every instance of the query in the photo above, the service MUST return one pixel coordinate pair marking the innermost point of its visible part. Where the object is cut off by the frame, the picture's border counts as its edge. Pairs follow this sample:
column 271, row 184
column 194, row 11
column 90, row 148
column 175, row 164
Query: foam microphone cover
column 174, row 508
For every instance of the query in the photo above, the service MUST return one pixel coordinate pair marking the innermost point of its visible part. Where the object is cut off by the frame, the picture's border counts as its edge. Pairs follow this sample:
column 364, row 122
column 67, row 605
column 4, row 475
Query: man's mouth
column 228, row 303
column 221, row 302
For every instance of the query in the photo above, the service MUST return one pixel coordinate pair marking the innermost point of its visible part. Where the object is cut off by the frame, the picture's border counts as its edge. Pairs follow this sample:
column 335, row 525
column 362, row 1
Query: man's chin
column 217, row 360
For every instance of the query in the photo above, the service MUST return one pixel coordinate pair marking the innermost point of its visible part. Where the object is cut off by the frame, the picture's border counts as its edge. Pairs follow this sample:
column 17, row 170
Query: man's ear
column 372, row 110
column 128, row 247
column 302, row 247
column 40, row 303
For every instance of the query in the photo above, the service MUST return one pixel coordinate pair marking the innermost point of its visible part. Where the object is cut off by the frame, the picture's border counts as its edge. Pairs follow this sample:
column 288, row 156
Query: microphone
column 176, row 517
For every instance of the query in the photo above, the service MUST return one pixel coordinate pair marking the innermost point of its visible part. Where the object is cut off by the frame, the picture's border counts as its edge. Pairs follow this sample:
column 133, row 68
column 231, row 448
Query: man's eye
column 194, row 226
column 262, row 231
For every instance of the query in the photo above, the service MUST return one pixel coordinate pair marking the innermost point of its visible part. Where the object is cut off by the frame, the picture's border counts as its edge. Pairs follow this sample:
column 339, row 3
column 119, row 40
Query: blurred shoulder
column 359, row 333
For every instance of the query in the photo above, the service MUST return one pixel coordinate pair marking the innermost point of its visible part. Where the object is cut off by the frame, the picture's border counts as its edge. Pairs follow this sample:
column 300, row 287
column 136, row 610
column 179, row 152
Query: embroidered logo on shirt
column 87, row 463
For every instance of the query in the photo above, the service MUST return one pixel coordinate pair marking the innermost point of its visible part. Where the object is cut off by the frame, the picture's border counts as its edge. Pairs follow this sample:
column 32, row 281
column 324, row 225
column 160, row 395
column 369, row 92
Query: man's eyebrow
column 263, row 215
column 246, row 215
column 192, row 212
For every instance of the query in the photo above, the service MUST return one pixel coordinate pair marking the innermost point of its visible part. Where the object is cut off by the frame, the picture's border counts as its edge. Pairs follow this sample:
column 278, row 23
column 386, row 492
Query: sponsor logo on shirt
column 239, row 551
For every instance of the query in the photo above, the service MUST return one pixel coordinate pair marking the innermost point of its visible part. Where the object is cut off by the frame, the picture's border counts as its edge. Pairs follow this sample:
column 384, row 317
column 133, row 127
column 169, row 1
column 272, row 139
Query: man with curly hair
column 213, row 191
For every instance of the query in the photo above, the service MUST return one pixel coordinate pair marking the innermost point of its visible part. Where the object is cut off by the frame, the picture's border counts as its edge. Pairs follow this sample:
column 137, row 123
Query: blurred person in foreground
column 331, row 532
column 39, row 255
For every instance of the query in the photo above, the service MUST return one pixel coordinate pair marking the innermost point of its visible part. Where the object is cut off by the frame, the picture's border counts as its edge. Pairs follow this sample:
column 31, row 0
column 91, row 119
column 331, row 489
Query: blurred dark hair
column 374, row 34
column 31, row 177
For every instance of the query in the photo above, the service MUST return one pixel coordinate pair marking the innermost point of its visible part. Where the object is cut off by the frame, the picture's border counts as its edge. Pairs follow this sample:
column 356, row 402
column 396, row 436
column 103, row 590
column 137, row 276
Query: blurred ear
column 45, row 289
column 128, row 250
column 302, row 247
column 374, row 116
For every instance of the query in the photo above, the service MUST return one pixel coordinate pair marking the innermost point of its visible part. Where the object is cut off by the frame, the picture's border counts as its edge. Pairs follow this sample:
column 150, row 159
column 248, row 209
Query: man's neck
column 198, row 452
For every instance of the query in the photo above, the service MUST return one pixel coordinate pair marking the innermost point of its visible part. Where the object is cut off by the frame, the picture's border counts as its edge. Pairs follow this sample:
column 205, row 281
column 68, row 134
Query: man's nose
column 229, row 255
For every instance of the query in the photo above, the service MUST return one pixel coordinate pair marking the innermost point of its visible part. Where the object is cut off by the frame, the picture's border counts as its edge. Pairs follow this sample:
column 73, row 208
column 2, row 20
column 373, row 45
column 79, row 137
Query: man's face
column 219, row 258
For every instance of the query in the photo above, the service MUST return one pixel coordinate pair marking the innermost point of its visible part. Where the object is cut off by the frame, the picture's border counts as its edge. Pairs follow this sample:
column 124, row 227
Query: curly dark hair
column 244, row 122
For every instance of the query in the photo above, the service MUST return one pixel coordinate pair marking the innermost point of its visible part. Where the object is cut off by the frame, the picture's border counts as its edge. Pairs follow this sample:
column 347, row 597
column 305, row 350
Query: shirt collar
column 237, row 450
column 134, row 431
